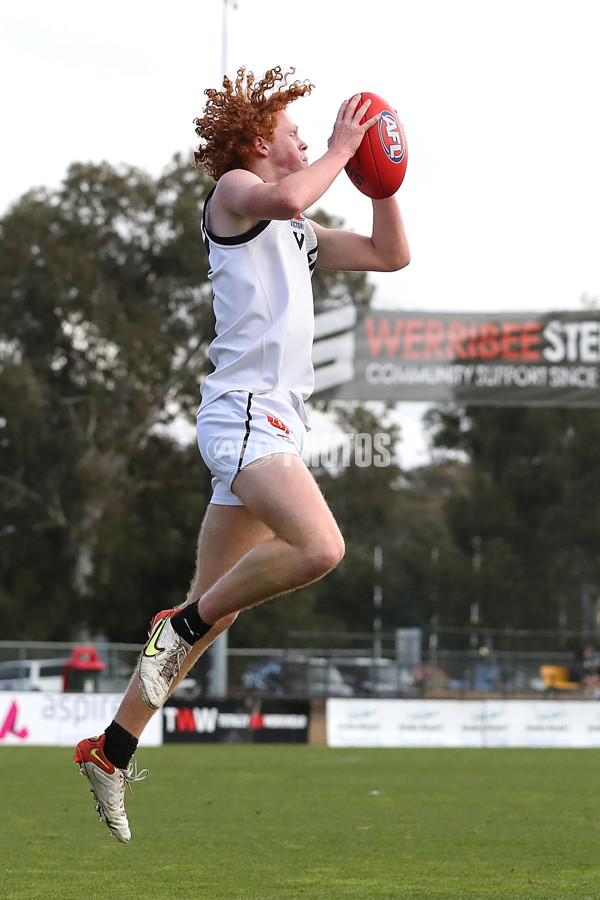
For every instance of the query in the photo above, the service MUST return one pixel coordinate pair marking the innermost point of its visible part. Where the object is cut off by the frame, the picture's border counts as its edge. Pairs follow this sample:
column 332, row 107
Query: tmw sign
column 479, row 359
column 268, row 720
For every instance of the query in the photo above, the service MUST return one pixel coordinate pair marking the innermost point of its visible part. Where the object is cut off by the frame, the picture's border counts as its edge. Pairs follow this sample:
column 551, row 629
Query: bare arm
column 385, row 251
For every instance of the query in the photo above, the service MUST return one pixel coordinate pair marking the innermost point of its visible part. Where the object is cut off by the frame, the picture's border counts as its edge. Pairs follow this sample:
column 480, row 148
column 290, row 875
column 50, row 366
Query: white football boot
column 107, row 784
column 161, row 660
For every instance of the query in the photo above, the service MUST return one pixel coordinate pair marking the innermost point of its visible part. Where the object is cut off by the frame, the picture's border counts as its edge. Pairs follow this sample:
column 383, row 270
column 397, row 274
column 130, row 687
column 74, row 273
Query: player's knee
column 325, row 556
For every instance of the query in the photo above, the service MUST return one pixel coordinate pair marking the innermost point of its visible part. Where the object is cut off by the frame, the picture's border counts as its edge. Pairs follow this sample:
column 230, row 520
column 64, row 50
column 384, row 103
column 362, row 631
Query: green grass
column 293, row 822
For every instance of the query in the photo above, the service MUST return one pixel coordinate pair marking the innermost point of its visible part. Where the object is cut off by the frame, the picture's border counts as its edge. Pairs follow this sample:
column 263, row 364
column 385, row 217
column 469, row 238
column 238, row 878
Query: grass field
column 291, row 822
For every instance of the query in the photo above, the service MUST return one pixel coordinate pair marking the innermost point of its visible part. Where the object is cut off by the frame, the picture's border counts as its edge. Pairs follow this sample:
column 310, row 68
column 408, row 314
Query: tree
column 527, row 520
column 103, row 337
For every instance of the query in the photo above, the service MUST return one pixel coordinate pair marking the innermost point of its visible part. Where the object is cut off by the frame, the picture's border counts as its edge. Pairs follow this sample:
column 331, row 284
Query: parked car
column 370, row 677
column 32, row 675
column 299, row 677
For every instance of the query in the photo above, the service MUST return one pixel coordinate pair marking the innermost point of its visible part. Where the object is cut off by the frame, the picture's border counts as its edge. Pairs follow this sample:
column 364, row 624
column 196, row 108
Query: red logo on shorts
column 277, row 423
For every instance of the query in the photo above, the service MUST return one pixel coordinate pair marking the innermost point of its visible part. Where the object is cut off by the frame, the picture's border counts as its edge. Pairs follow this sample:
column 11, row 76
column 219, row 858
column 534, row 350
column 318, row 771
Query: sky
column 499, row 101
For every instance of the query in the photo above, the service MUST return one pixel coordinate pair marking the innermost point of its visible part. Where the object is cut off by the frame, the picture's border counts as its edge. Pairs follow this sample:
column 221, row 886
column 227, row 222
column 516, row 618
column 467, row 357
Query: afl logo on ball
column 391, row 137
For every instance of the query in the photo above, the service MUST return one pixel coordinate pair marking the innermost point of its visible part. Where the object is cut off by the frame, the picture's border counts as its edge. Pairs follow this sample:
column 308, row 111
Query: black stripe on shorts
column 247, row 434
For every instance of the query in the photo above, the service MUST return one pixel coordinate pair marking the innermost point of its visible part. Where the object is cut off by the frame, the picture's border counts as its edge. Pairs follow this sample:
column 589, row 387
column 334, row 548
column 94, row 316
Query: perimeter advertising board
column 231, row 721
column 463, row 723
column 31, row 718
column 518, row 359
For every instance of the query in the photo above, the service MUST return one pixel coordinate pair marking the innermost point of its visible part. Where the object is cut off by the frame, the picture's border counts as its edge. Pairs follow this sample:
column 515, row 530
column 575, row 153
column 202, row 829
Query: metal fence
column 344, row 665
column 119, row 659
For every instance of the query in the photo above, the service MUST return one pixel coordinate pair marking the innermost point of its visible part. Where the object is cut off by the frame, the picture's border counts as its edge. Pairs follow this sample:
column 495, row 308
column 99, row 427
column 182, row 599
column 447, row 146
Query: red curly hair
column 240, row 112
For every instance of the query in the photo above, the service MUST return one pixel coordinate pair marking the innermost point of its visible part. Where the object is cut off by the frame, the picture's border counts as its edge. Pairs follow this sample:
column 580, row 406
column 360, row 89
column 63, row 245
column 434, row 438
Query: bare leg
column 227, row 534
column 306, row 544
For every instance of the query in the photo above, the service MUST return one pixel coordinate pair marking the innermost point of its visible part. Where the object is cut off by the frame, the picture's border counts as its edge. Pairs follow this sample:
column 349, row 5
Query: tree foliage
column 525, row 525
column 103, row 333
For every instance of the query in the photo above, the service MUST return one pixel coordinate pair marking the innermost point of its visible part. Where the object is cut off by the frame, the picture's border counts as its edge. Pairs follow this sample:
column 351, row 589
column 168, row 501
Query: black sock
column 119, row 745
column 189, row 625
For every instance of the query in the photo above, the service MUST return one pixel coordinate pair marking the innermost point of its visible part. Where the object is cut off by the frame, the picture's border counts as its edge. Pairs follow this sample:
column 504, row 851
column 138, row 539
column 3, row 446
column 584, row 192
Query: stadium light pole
column 224, row 35
column 434, row 620
column 475, row 609
column 218, row 678
column 377, row 602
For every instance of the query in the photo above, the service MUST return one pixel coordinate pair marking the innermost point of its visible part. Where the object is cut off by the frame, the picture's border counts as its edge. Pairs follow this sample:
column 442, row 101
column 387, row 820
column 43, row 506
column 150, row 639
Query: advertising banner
column 463, row 723
column 400, row 723
column 31, row 718
column 487, row 359
column 236, row 721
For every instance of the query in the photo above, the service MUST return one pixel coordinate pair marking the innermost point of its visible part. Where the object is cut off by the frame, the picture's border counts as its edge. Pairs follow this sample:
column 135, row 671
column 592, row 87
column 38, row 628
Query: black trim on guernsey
column 247, row 434
column 236, row 238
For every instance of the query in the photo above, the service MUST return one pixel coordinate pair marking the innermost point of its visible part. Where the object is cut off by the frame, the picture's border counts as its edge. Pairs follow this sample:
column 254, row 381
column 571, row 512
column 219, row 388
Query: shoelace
column 172, row 666
column 131, row 774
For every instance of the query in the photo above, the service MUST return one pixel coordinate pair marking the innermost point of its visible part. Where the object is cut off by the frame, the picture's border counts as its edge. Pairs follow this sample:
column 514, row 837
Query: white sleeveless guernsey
column 263, row 305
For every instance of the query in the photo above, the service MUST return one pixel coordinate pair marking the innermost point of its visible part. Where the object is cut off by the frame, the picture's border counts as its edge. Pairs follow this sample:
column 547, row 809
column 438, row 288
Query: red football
column 379, row 165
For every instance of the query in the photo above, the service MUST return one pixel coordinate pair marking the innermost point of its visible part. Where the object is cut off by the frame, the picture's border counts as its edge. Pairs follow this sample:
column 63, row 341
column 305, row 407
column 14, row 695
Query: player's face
column 287, row 150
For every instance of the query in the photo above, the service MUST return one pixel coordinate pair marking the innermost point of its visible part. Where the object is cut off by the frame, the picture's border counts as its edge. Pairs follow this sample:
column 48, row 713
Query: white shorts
column 240, row 427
